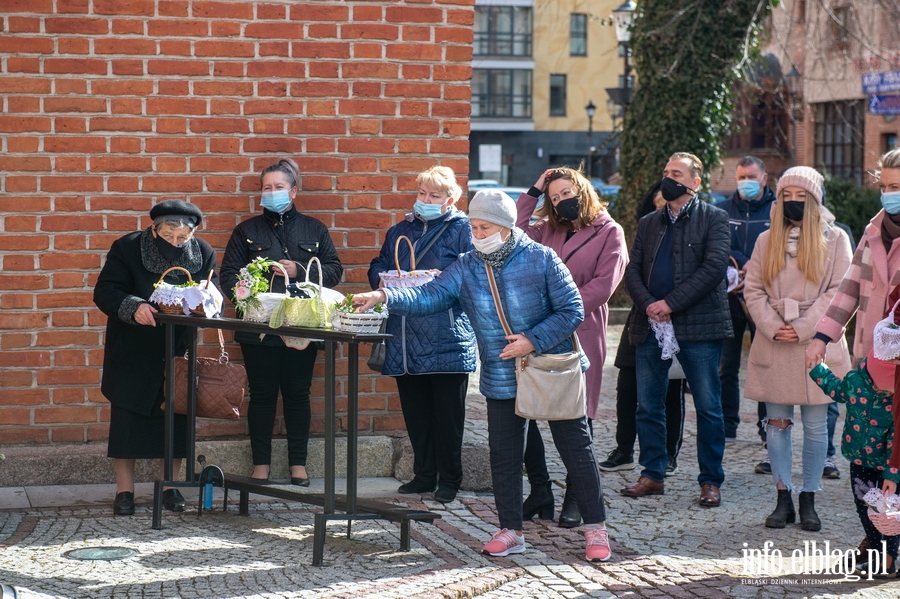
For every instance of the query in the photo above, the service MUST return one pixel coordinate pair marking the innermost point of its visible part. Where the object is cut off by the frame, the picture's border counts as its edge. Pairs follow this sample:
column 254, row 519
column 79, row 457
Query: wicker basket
column 403, row 278
column 267, row 301
column 887, row 524
column 174, row 308
column 355, row 322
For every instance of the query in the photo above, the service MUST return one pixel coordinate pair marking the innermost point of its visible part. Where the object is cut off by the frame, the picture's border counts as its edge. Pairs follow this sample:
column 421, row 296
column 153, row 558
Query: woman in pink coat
column 592, row 245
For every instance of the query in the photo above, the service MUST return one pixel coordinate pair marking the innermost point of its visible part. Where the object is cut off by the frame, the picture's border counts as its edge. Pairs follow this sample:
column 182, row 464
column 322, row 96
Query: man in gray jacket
column 676, row 278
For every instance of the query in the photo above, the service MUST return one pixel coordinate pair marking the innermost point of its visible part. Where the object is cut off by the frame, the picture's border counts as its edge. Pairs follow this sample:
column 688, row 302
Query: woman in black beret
column 134, row 353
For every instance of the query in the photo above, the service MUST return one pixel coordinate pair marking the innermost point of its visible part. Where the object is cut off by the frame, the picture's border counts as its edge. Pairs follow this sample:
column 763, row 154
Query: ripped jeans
column 815, row 443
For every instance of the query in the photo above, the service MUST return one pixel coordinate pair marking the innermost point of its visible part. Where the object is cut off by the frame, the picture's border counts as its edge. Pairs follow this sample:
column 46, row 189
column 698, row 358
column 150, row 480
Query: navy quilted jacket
column 442, row 342
column 539, row 297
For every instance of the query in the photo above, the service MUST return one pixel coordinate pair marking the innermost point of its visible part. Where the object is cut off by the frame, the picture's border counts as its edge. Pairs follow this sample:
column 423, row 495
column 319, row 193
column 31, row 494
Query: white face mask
column 489, row 244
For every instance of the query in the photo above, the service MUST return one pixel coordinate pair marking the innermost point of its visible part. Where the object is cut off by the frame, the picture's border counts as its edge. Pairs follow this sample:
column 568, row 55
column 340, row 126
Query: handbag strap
column 435, row 238
column 495, row 292
column 223, row 356
column 584, row 243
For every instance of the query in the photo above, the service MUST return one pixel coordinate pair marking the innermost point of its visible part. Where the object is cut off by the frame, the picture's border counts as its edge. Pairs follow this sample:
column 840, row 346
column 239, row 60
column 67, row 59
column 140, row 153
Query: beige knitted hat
column 802, row 176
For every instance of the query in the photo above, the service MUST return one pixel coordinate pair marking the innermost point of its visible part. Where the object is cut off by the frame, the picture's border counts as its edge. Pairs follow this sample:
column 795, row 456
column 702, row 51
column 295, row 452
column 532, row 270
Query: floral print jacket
column 869, row 426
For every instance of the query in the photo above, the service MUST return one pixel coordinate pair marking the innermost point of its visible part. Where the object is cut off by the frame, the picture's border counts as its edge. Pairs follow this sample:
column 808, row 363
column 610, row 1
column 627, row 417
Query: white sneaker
column 503, row 543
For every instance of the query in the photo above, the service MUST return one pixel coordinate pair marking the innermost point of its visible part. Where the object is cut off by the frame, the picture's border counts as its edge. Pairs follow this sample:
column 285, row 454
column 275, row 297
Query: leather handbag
column 220, row 386
column 548, row 386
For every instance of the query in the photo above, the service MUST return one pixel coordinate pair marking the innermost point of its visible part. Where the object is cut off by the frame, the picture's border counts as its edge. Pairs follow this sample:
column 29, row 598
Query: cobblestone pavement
column 664, row 546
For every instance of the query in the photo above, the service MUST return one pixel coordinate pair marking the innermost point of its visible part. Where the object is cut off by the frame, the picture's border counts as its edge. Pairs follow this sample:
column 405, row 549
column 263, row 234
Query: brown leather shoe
column 710, row 496
column 644, row 486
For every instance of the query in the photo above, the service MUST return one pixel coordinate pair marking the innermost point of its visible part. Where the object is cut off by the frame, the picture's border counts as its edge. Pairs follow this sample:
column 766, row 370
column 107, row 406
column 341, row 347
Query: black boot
column 569, row 516
column 784, row 512
column 539, row 502
column 809, row 519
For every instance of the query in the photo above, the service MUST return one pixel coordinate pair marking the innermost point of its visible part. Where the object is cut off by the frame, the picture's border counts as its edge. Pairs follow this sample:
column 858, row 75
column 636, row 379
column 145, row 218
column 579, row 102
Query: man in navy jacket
column 748, row 216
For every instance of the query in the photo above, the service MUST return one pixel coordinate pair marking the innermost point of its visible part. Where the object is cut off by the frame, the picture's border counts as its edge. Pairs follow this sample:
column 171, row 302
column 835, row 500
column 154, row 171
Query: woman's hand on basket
column 367, row 301
column 889, row 487
column 519, row 346
column 144, row 315
column 290, row 266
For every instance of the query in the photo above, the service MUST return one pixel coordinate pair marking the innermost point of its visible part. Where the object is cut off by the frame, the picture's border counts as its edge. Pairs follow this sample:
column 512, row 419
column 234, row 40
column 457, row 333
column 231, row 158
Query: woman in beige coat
column 792, row 276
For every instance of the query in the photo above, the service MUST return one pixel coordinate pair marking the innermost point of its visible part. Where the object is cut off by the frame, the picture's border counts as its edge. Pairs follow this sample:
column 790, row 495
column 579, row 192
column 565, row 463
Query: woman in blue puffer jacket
column 540, row 301
column 431, row 356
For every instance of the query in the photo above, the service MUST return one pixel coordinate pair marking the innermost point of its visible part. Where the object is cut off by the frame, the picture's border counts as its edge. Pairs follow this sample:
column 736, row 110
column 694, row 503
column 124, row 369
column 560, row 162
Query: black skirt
column 135, row 436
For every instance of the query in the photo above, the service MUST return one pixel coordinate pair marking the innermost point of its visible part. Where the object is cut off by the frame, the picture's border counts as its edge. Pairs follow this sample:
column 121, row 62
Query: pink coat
column 868, row 282
column 597, row 269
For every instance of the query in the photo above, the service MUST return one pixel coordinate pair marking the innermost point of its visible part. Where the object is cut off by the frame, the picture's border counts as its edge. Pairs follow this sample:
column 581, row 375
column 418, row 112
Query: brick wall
column 109, row 106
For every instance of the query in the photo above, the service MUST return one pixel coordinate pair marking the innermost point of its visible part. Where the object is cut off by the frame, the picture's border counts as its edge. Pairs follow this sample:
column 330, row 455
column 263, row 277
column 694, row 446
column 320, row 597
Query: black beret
column 177, row 208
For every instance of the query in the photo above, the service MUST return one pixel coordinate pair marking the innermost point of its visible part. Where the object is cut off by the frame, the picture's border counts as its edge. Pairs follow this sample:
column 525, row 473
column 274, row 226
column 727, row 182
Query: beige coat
column 777, row 371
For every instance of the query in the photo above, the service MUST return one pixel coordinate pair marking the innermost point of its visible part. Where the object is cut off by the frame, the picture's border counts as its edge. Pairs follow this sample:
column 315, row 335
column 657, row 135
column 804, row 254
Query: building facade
column 536, row 65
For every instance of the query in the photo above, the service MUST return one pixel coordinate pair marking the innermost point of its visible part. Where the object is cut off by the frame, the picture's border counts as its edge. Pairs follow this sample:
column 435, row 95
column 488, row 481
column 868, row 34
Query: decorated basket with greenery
column 252, row 299
column 346, row 318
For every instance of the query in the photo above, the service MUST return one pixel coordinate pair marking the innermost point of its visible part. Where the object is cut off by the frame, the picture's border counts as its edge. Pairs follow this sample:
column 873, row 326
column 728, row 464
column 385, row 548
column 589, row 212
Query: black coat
column 134, row 355
column 700, row 247
column 292, row 236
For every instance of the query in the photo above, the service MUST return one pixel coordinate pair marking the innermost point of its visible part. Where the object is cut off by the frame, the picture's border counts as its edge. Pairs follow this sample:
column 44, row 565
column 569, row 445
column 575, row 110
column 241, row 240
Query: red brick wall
column 112, row 105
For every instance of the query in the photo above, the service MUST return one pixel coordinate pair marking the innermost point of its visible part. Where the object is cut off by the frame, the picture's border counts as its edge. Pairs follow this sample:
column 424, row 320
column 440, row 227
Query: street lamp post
column 590, row 109
column 792, row 78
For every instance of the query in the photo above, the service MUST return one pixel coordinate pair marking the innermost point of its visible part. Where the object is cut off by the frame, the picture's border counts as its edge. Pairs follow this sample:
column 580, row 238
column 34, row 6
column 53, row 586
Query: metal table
column 329, row 501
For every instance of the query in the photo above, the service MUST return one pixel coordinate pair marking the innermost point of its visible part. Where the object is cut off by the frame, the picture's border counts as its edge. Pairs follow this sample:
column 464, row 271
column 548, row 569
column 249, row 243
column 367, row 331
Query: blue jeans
column 700, row 361
column 506, row 441
column 833, row 414
column 814, row 444
column 730, row 365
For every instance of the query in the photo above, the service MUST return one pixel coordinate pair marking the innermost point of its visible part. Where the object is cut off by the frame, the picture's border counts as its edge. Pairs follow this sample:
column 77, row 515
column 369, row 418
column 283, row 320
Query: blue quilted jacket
column 442, row 342
column 539, row 297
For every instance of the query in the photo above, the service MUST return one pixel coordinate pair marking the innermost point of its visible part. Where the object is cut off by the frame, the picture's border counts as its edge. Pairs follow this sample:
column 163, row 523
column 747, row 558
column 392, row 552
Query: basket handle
column 287, row 279
column 308, row 265
column 894, row 309
column 168, row 270
column 412, row 253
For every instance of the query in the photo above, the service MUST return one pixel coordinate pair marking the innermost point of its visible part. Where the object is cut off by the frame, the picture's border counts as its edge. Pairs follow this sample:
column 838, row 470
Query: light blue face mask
column 748, row 188
column 427, row 211
column 891, row 201
column 276, row 201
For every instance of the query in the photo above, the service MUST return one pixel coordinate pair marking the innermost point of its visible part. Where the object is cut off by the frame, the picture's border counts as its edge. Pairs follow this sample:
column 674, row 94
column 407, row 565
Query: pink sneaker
column 503, row 543
column 597, row 545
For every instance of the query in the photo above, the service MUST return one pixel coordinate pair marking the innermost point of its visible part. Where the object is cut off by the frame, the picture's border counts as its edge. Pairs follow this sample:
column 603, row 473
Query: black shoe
column 569, row 516
column 445, row 494
column 123, row 504
column 809, row 519
column 764, row 467
column 300, row 481
column 671, row 466
column 416, row 486
column 830, row 470
column 618, row 460
column 173, row 501
column 784, row 513
column 538, row 503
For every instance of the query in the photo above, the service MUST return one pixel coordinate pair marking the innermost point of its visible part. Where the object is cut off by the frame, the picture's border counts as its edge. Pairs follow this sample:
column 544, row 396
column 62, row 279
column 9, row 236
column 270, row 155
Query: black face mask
column 568, row 209
column 793, row 210
column 169, row 251
column 672, row 190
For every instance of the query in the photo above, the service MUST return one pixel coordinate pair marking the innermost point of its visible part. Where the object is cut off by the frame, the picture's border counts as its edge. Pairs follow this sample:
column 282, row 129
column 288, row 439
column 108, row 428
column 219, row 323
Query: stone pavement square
column 664, row 546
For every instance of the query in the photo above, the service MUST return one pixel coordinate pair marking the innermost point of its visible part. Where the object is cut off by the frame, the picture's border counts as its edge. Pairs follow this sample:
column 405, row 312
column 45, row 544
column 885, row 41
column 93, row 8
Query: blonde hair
column 442, row 178
column 888, row 160
column 589, row 207
column 811, row 247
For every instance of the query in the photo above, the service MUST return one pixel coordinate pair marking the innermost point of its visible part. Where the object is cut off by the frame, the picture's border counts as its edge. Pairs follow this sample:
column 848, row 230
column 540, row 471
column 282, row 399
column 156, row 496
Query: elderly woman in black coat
column 134, row 354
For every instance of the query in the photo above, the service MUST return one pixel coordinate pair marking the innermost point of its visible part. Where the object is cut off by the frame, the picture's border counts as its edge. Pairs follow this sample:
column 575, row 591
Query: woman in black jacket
column 284, row 235
column 134, row 354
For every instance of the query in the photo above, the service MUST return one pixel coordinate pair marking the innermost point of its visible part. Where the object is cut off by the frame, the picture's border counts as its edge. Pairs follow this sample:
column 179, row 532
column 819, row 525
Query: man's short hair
column 696, row 165
column 752, row 161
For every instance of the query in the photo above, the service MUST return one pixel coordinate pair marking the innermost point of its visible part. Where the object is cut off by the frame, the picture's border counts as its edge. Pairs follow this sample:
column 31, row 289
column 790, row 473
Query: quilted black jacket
column 292, row 236
column 700, row 247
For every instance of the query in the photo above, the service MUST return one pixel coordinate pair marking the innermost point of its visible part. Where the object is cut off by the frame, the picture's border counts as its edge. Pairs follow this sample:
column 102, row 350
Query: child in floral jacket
column 866, row 443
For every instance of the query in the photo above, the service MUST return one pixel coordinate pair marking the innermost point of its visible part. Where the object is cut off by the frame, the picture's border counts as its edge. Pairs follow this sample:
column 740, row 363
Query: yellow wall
column 587, row 76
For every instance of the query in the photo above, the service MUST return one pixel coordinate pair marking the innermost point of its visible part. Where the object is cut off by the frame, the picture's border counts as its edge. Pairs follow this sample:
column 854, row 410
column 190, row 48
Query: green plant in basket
column 346, row 306
column 251, row 282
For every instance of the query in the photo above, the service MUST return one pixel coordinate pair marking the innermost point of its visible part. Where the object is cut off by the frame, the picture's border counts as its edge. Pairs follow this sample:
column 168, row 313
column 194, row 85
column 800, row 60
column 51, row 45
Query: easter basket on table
column 403, row 278
column 191, row 297
column 252, row 298
column 310, row 305
column 346, row 318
